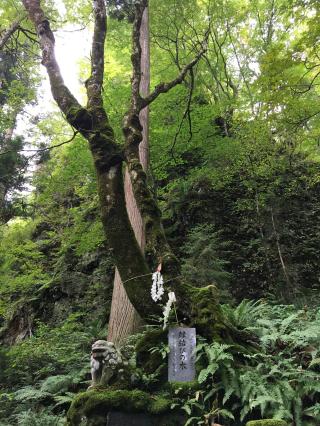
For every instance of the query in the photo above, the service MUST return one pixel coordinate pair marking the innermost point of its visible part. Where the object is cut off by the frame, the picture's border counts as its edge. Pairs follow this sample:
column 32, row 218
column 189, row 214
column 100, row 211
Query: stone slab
column 116, row 418
column 182, row 345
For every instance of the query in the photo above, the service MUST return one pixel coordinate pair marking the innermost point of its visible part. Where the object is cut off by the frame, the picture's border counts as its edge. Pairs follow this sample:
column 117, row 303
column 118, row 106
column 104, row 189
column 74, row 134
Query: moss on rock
column 97, row 402
column 267, row 422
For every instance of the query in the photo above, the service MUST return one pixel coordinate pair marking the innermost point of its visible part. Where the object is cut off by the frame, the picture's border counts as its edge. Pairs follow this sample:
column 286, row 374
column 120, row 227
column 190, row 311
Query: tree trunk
column 124, row 319
column 198, row 307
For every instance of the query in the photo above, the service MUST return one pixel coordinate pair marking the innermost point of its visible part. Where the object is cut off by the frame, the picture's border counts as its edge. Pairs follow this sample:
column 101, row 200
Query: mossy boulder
column 98, row 403
column 267, row 422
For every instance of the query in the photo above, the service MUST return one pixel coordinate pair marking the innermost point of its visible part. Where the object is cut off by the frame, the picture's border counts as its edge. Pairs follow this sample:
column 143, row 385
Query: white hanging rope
column 157, row 289
column 167, row 309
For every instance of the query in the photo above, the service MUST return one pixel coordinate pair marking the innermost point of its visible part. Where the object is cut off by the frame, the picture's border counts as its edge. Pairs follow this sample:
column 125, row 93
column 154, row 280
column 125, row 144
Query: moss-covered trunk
column 197, row 307
column 124, row 319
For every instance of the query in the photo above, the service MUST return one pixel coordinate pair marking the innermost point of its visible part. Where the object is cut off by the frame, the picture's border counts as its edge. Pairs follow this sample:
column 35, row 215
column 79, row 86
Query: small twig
column 165, row 87
column 28, row 34
column 146, row 275
column 186, row 114
column 48, row 148
column 138, row 276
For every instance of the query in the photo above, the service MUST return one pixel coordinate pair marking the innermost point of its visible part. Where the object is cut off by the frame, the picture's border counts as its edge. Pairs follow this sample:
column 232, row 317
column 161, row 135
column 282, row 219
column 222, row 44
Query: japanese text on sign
column 182, row 343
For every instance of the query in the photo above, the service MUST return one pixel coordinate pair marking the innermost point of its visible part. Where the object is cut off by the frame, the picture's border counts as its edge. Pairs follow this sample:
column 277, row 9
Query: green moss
column 206, row 312
column 150, row 362
column 100, row 402
column 184, row 385
column 181, row 387
column 267, row 422
column 159, row 405
column 79, row 118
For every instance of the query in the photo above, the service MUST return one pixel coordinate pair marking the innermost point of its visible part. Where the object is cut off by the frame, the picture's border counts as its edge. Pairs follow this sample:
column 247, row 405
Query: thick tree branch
column 128, row 256
column 91, row 123
column 132, row 128
column 95, row 81
column 62, row 95
column 136, row 57
column 157, row 248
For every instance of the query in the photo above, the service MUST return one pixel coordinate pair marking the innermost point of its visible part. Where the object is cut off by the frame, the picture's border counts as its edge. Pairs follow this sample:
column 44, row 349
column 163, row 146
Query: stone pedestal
column 116, row 418
column 122, row 408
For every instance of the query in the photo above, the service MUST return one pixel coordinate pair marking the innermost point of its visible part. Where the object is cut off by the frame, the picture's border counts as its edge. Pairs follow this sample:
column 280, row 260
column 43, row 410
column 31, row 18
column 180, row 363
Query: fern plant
column 30, row 418
column 280, row 380
column 203, row 258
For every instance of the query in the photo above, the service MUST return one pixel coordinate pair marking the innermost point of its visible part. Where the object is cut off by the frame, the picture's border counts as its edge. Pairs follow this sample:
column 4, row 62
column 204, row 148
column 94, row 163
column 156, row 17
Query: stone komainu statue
column 106, row 363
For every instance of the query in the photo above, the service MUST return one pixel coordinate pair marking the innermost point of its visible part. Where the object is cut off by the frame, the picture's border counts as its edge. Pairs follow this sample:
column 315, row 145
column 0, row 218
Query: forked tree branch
column 137, row 101
column 91, row 122
column 165, row 87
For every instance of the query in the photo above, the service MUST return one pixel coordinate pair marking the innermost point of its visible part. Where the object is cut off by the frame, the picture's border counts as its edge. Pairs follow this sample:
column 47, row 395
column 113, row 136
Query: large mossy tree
column 196, row 306
column 246, row 107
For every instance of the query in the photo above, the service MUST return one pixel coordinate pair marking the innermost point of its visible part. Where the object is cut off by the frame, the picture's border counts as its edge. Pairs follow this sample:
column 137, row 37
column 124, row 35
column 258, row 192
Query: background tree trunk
column 124, row 319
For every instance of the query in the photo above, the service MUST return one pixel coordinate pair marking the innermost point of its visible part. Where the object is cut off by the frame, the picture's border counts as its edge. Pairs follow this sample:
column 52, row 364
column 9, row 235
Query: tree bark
column 124, row 319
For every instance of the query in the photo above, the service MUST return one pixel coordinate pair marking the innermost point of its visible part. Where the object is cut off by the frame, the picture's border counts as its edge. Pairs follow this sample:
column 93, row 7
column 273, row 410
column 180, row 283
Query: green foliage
column 238, row 179
column 21, row 264
column 44, row 372
column 29, row 418
column 51, row 351
column 243, row 314
column 274, row 381
column 61, row 310
column 12, row 175
column 121, row 9
column 18, row 79
column 203, row 264
column 257, row 209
